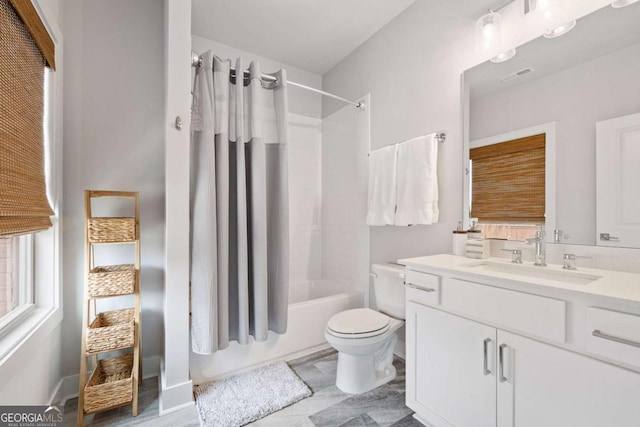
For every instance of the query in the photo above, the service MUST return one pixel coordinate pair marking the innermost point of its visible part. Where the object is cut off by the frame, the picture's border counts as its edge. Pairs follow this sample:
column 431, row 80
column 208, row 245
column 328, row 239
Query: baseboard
column 421, row 420
column 67, row 387
column 175, row 397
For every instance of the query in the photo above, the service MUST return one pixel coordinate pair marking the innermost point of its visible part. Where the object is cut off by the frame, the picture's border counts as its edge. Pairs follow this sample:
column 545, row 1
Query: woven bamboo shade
column 508, row 181
column 27, row 12
column 24, row 207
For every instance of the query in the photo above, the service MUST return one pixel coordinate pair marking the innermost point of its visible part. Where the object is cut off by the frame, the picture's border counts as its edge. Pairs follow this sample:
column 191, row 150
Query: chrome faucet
column 539, row 242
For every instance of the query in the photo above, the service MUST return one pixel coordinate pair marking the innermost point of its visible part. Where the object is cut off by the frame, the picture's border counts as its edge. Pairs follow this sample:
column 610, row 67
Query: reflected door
column 618, row 181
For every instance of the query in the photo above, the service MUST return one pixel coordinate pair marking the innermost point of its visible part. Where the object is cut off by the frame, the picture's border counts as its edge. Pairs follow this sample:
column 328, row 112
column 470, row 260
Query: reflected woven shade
column 508, row 181
column 24, row 207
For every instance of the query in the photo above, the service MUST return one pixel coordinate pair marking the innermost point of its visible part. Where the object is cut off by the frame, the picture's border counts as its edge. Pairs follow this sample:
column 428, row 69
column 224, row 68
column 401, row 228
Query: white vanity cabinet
column 484, row 355
column 543, row 385
column 448, row 375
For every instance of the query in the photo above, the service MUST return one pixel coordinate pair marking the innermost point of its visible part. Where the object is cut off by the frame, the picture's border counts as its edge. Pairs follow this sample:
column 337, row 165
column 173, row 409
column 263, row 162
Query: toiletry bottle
column 459, row 240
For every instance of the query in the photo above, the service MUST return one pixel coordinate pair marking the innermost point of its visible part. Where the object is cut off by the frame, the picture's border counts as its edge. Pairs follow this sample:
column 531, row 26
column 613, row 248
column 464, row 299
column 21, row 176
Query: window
column 16, row 278
column 26, row 63
column 508, row 187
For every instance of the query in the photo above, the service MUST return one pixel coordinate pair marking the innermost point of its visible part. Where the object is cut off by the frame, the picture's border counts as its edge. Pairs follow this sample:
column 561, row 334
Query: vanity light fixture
column 547, row 10
column 488, row 31
column 559, row 30
column 552, row 13
column 622, row 3
column 504, row 56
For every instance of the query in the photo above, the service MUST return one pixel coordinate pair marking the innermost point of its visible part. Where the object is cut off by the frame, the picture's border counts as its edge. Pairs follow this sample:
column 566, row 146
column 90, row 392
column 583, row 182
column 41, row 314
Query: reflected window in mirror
column 508, row 187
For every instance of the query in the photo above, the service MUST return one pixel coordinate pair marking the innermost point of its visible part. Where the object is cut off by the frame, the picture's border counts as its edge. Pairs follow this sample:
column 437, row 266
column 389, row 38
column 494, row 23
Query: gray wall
column 114, row 113
column 412, row 69
column 575, row 98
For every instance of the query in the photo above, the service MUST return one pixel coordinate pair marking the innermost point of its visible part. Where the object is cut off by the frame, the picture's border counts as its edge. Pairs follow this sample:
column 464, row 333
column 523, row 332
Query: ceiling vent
column 517, row 74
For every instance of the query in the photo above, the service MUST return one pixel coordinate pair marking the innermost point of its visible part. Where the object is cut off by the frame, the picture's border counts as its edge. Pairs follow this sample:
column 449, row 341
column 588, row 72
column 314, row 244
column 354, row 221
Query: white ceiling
column 310, row 34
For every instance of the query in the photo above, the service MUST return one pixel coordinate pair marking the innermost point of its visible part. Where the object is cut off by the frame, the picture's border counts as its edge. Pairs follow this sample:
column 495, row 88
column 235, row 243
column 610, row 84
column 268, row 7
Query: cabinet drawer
column 614, row 335
column 422, row 287
column 532, row 314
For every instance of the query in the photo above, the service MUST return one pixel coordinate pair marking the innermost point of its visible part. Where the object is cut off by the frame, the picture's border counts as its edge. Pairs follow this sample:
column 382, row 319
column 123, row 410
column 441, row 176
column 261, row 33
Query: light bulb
column 550, row 11
column 488, row 32
column 559, row 30
column 504, row 56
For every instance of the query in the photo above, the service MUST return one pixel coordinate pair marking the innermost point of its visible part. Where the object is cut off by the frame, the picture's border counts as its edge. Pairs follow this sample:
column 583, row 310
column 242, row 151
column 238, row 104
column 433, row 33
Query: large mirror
column 581, row 91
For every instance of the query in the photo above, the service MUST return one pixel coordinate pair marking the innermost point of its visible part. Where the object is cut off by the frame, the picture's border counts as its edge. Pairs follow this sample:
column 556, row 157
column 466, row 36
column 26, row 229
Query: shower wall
column 345, row 236
column 305, row 252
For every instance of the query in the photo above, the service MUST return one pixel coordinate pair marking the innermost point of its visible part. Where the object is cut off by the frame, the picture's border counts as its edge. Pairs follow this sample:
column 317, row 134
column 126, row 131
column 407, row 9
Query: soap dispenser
column 474, row 232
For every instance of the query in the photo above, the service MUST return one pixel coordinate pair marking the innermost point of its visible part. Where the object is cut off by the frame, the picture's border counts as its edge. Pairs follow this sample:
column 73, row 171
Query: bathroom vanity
column 493, row 343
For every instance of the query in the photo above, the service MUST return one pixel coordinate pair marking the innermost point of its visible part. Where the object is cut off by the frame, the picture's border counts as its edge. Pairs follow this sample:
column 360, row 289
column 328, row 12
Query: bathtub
column 311, row 304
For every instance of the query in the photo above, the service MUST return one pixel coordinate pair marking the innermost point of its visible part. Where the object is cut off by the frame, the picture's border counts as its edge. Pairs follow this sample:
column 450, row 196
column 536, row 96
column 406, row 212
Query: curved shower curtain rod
column 196, row 61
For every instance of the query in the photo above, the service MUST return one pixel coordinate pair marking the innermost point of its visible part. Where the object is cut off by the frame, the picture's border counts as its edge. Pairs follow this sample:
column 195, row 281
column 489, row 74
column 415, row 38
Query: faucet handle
column 557, row 235
column 516, row 255
column 569, row 262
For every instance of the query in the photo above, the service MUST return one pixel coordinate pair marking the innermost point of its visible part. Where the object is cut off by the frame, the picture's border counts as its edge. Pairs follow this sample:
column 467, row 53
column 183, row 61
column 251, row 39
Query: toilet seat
column 358, row 323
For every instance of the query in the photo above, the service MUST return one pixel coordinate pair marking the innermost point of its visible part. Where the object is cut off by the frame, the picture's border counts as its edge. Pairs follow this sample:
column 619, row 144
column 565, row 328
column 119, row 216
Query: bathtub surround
column 345, row 235
column 243, row 398
column 305, row 335
column 239, row 206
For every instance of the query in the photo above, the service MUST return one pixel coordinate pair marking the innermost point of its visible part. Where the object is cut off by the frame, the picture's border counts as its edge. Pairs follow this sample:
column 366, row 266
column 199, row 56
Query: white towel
column 381, row 207
column 417, row 192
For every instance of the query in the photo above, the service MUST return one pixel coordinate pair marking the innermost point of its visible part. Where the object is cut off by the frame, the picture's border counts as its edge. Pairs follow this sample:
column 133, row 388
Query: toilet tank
column 388, row 289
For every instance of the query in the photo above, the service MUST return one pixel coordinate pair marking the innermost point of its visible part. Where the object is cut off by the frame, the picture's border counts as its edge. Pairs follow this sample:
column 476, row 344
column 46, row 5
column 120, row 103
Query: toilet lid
column 358, row 321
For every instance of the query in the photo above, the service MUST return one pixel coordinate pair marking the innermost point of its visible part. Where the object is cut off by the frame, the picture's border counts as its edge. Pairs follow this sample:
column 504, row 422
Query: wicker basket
column 110, row 230
column 112, row 280
column 111, row 330
column 110, row 384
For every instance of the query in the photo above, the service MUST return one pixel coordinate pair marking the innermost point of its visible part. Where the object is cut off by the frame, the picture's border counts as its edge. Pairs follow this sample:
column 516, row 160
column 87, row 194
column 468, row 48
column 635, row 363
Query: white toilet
column 365, row 338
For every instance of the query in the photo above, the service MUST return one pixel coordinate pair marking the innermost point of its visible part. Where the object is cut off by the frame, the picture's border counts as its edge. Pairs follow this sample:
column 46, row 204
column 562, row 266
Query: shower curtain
column 239, row 205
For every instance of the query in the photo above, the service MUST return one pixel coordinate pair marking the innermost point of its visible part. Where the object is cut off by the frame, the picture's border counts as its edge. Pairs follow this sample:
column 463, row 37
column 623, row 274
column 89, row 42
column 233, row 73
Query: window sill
column 25, row 337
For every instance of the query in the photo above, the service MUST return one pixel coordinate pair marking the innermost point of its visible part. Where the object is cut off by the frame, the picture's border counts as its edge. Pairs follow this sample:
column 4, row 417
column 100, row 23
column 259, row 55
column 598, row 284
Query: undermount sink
column 545, row 273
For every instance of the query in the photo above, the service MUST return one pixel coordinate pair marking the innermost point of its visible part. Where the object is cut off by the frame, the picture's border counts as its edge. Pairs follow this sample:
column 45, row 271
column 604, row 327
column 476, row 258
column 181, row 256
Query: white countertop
column 610, row 284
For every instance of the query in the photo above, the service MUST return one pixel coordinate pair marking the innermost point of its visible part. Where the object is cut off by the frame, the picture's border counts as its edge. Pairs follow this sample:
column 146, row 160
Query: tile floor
column 327, row 407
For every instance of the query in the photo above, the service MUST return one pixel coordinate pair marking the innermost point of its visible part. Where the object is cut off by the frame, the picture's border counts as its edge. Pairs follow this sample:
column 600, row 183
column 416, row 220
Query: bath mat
column 244, row 398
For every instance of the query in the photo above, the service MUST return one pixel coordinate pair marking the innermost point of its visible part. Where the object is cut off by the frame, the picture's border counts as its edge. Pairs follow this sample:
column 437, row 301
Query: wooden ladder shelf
column 114, row 379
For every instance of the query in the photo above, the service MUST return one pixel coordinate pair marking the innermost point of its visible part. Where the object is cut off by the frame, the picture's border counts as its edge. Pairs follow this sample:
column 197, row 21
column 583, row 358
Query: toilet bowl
column 365, row 338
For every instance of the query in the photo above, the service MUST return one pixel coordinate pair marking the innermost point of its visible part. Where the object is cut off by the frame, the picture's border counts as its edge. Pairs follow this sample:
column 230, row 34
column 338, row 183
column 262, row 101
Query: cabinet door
column 542, row 385
column 450, row 376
